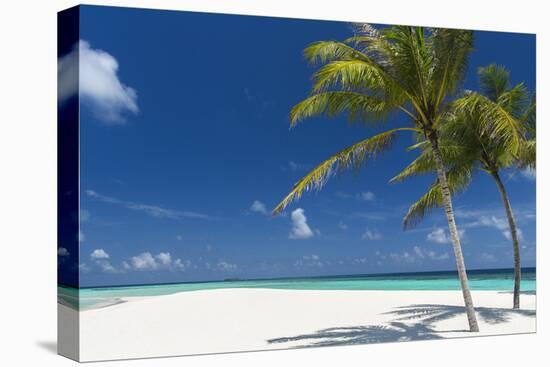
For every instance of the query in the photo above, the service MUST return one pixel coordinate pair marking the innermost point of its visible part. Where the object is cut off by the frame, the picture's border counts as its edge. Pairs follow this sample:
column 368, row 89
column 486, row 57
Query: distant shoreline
column 320, row 277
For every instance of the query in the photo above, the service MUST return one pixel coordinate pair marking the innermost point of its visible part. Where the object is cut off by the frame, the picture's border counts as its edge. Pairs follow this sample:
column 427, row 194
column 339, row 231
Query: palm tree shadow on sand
column 401, row 328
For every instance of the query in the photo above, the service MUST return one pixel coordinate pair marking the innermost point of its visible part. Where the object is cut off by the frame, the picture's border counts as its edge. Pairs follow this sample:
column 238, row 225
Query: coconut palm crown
column 414, row 71
column 470, row 141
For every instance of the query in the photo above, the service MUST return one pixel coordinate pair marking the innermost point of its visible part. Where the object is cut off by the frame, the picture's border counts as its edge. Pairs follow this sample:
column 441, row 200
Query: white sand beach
column 230, row 320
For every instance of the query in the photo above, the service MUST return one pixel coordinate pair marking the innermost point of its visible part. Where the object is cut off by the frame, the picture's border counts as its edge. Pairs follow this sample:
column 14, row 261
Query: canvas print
column 233, row 183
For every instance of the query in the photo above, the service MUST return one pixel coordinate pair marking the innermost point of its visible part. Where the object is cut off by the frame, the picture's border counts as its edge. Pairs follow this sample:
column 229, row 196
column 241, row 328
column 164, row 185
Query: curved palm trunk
column 448, row 206
column 514, row 234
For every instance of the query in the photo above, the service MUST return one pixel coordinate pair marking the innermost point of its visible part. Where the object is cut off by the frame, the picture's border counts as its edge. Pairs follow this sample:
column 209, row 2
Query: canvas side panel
column 68, row 183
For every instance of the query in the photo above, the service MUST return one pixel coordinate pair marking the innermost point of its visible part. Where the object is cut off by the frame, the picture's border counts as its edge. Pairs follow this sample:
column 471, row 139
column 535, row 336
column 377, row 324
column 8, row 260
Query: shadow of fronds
column 431, row 313
column 393, row 332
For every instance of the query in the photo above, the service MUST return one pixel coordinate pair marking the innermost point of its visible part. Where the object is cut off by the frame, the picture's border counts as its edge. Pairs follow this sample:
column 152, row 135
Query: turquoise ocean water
column 493, row 279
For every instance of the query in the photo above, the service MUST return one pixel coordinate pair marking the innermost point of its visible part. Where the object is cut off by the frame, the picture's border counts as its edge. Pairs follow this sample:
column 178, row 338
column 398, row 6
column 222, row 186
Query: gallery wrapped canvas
column 232, row 183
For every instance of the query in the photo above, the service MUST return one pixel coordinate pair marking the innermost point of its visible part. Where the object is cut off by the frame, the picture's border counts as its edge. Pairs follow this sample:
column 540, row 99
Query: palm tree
column 470, row 140
column 414, row 71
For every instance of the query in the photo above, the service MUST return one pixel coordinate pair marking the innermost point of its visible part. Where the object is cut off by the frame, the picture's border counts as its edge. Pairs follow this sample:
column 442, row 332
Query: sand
column 230, row 320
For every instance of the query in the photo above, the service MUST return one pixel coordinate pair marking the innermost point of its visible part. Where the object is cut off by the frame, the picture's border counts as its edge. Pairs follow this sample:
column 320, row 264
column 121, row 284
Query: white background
column 28, row 182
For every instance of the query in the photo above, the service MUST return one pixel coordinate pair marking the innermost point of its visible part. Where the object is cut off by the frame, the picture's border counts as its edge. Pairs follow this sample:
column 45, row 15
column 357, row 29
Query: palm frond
column 529, row 118
column 358, row 106
column 515, row 100
column 425, row 163
column 493, row 120
column 327, row 51
column 450, row 48
column 493, row 80
column 351, row 157
column 458, row 179
column 527, row 157
column 354, row 75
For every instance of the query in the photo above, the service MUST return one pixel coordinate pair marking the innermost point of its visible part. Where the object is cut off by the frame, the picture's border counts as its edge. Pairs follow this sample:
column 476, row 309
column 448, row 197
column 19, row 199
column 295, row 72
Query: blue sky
column 186, row 147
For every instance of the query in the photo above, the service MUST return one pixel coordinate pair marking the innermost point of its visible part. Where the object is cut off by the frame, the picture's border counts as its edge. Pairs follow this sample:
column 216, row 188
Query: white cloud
column 403, row 257
column 440, row 235
column 342, row 225
column 81, row 236
column 508, row 234
column 179, row 237
column 106, row 266
column 258, row 207
column 160, row 261
column 62, row 251
column 300, row 229
column 152, row 210
column 371, row 235
column 98, row 83
column 417, row 255
column 98, row 254
column 226, row 266
column 101, row 258
column 144, row 261
column 309, row 261
column 164, row 258
column 180, row 264
column 529, row 173
column 360, row 260
column 498, row 223
column 367, row 196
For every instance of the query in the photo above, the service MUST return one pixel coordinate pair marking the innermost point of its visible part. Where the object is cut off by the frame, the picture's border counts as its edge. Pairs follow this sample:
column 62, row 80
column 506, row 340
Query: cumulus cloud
column 440, row 235
column 180, row 264
column 226, row 266
column 309, row 261
column 498, row 223
column 258, row 207
column 98, row 254
column 371, row 235
column 300, row 229
column 152, row 210
column 418, row 254
column 161, row 261
column 101, row 259
column 98, row 83
column 106, row 266
column 508, row 234
column 164, row 258
column 63, row 252
column 144, row 261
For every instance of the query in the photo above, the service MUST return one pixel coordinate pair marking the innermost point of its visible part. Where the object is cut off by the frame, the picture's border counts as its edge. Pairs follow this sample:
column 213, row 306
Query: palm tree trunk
column 514, row 234
column 448, row 206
